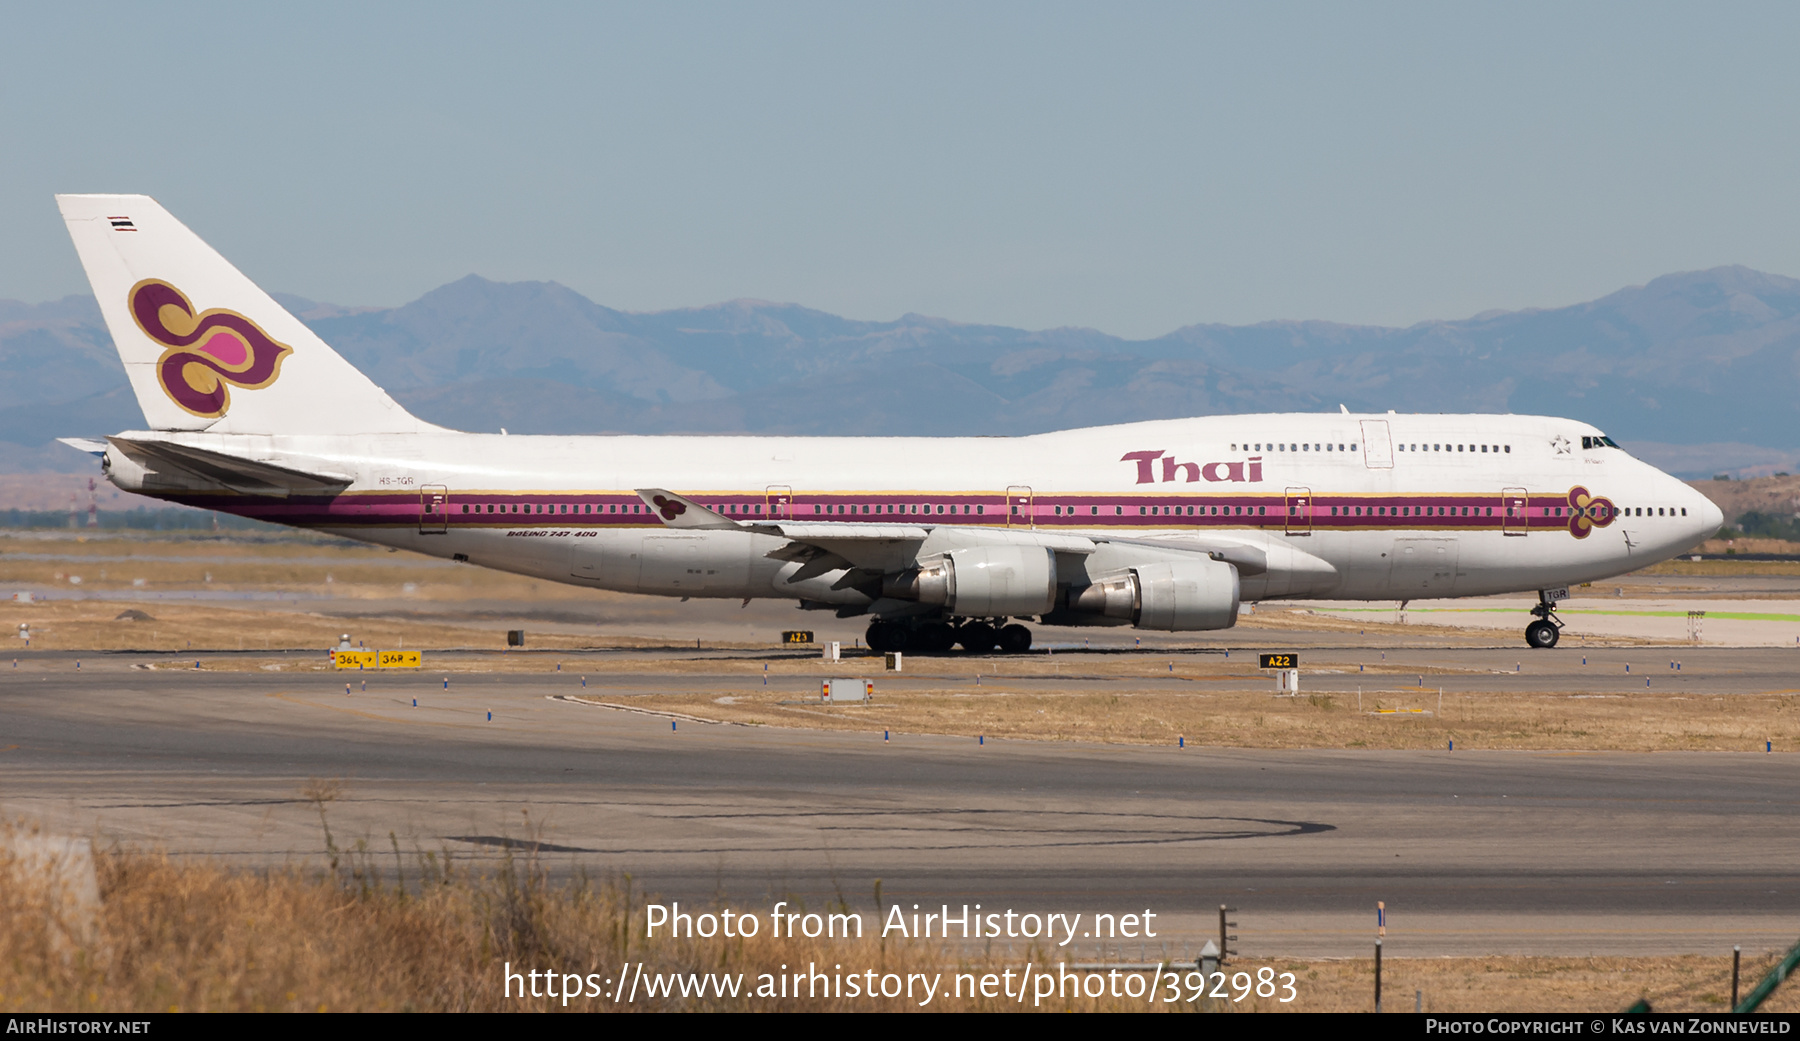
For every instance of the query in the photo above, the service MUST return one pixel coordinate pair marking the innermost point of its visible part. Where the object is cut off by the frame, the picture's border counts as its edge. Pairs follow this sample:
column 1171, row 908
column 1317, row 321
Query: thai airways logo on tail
column 207, row 353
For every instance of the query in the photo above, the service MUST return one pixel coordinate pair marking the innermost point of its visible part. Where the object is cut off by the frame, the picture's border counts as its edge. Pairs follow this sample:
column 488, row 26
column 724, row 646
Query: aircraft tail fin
column 203, row 346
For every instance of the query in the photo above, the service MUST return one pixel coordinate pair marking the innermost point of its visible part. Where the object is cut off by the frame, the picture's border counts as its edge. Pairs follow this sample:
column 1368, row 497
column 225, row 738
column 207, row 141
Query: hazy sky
column 1133, row 168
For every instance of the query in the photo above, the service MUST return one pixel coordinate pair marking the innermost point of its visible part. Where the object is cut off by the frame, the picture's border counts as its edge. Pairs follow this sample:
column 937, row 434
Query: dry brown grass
column 393, row 931
column 1005, row 708
column 1528, row 984
column 96, row 625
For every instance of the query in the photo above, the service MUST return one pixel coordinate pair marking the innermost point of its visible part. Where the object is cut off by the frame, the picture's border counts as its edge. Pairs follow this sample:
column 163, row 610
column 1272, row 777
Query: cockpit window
column 1601, row 441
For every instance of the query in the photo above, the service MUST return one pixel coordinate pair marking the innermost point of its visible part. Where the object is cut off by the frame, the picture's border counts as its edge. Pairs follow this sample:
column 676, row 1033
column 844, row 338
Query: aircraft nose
column 1711, row 518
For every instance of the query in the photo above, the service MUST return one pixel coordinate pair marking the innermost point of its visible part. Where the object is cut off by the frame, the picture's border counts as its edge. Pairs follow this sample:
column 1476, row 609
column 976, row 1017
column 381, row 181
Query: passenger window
column 1118, row 510
column 1262, row 510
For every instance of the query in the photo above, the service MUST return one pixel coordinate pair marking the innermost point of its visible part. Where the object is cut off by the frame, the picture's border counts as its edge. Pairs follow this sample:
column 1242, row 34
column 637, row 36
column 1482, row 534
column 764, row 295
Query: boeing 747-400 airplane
column 1164, row 525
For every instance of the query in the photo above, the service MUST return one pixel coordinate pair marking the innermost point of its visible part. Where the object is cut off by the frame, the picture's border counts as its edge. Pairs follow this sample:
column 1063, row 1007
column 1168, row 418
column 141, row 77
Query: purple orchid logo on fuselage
column 1587, row 512
column 205, row 351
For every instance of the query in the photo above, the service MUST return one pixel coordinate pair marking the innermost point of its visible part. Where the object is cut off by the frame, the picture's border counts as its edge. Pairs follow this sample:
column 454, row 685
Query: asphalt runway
column 1473, row 852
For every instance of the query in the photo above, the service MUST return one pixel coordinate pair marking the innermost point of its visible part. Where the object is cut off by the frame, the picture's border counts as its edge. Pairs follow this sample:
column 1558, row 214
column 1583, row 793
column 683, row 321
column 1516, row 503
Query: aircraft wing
column 249, row 476
column 1248, row 559
column 834, row 545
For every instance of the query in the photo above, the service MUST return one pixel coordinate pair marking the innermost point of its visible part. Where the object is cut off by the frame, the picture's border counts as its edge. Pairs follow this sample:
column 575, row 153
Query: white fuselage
column 1340, row 506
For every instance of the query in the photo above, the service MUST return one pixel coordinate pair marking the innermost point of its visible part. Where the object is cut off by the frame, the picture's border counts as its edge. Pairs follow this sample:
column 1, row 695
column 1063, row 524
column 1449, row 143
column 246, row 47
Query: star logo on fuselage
column 1561, row 444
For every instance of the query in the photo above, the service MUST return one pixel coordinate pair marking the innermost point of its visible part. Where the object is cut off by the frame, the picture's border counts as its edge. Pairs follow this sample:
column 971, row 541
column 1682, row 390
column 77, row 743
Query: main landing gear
column 974, row 636
column 1543, row 633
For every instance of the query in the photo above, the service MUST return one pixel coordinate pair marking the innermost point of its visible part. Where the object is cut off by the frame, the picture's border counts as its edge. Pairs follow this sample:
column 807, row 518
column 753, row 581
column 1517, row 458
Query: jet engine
column 982, row 581
column 1174, row 596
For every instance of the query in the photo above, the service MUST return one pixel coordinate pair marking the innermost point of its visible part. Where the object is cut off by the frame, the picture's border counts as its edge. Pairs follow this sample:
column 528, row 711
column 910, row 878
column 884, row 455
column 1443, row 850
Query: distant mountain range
column 1696, row 371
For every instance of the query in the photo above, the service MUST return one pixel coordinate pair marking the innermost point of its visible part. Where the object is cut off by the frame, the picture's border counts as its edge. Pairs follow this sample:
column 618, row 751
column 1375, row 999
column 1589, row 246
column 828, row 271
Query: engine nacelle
column 982, row 581
column 1175, row 596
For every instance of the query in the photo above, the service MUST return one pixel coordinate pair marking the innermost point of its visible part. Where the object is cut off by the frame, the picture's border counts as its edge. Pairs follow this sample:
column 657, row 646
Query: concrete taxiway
column 1472, row 851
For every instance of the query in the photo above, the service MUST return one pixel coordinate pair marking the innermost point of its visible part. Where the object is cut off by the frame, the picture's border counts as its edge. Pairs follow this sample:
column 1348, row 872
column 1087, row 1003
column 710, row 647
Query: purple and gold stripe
column 1576, row 510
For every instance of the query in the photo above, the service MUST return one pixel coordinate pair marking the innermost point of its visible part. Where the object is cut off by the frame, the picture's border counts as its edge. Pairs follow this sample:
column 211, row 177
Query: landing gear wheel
column 887, row 638
column 933, row 638
column 1015, row 639
column 1541, row 634
column 977, row 637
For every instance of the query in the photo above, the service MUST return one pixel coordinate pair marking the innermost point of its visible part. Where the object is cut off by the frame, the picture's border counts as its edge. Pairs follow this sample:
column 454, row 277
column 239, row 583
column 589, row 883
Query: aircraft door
column 1514, row 503
column 778, row 500
column 1018, row 507
column 1378, row 445
column 1299, row 511
column 434, row 509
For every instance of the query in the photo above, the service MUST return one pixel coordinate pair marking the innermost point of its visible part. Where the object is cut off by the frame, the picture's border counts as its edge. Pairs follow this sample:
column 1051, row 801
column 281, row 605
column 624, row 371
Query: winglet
column 679, row 511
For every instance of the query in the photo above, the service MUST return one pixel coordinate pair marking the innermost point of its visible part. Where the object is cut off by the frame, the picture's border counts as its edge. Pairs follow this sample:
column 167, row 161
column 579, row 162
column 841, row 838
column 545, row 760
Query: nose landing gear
column 1543, row 633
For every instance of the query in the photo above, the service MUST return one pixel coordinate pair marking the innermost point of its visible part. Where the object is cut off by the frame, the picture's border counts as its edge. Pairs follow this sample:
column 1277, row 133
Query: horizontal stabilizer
column 249, row 476
column 92, row 446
